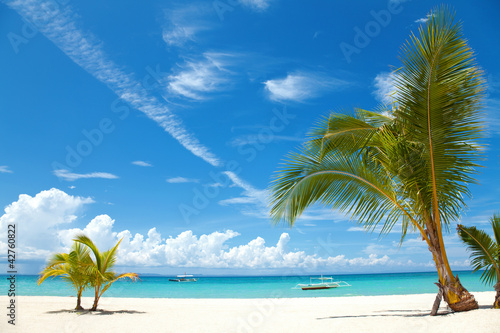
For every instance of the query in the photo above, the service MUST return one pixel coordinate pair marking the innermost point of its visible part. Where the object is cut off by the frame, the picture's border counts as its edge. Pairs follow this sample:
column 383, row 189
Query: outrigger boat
column 184, row 278
column 324, row 283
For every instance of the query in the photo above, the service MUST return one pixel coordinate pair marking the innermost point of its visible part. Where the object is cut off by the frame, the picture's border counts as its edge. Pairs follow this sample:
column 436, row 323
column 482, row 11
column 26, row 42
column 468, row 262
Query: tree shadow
column 98, row 312
column 392, row 313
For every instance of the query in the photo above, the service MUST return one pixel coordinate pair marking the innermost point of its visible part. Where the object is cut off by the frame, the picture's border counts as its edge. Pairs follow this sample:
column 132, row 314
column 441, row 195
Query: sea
column 250, row 286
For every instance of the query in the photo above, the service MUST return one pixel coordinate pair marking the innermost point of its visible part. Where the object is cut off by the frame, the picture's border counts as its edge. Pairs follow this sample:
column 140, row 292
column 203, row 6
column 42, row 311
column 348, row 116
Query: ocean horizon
column 242, row 287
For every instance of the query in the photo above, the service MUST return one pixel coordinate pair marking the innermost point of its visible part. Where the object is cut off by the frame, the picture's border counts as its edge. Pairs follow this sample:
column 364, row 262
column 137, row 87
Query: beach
column 396, row 313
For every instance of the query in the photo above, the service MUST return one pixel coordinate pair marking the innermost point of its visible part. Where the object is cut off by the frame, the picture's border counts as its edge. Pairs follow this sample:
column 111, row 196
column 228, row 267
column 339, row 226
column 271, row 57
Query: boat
column 184, row 278
column 316, row 283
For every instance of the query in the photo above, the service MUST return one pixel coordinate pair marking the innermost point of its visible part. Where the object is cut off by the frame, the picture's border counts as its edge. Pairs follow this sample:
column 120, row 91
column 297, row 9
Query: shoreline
column 388, row 313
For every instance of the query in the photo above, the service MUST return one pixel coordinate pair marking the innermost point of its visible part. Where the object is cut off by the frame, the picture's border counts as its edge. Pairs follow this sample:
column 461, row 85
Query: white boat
column 184, row 278
column 316, row 283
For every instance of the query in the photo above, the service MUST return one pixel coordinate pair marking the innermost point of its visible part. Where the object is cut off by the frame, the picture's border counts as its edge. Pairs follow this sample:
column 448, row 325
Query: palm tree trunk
column 96, row 299
column 457, row 297
column 496, row 304
column 79, row 301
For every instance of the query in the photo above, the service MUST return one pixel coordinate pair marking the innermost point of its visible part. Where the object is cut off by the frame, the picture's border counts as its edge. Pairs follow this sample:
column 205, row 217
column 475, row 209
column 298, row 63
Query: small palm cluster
column 485, row 253
column 85, row 267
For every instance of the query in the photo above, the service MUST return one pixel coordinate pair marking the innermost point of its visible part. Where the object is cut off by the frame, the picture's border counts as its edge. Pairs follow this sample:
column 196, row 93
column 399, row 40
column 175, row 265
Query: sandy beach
column 401, row 313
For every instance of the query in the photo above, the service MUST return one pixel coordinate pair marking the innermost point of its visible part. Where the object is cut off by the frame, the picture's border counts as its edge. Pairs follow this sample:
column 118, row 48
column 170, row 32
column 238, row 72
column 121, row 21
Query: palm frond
column 484, row 252
column 351, row 184
column 439, row 91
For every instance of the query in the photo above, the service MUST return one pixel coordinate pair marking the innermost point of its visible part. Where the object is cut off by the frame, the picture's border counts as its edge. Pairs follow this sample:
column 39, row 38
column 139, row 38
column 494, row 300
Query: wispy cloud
column 142, row 163
column 257, row 5
column 422, row 20
column 196, row 79
column 300, row 86
column 5, row 169
column 255, row 139
column 70, row 176
column 179, row 180
column 253, row 200
column 183, row 24
column 491, row 118
column 86, row 51
column 384, row 87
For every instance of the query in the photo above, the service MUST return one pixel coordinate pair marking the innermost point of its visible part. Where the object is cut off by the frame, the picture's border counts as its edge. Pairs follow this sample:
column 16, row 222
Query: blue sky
column 163, row 122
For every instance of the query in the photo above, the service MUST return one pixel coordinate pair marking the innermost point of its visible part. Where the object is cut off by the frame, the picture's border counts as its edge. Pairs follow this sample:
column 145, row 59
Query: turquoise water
column 251, row 287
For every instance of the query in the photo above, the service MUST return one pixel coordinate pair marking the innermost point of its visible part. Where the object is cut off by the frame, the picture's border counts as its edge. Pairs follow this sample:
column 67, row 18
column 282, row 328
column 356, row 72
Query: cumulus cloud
column 141, row 163
column 301, row 86
column 5, row 169
column 207, row 250
column 179, row 180
column 422, row 20
column 44, row 221
column 70, row 176
column 38, row 218
column 384, row 87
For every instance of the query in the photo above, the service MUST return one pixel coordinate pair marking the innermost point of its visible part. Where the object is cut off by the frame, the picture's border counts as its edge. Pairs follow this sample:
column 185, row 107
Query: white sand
column 408, row 313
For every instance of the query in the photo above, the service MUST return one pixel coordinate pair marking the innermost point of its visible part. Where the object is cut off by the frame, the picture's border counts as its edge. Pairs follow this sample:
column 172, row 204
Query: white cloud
column 41, row 220
column 258, row 139
column 207, row 250
column 422, row 20
column 254, row 201
column 301, row 86
column 99, row 230
column 178, row 35
column 141, row 163
column 86, row 51
column 70, row 176
column 384, row 87
column 38, row 218
column 196, row 79
column 178, row 180
column 182, row 24
column 5, row 169
column 258, row 5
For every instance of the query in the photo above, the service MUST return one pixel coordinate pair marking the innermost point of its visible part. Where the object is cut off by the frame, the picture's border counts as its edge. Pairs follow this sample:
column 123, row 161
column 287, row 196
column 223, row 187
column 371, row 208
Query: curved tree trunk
column 96, row 300
column 457, row 297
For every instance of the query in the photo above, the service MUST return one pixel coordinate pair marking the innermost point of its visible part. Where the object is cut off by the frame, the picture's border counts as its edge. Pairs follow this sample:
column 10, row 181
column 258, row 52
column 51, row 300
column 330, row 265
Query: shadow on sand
column 393, row 313
column 96, row 313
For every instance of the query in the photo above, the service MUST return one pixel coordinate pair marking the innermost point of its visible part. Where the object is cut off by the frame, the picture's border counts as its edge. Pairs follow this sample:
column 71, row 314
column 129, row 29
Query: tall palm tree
column 408, row 164
column 485, row 253
column 71, row 268
column 100, row 269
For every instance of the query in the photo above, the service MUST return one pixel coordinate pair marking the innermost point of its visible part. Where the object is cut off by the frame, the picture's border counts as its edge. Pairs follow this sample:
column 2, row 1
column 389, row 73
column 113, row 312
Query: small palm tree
column 100, row 270
column 407, row 165
column 71, row 268
column 485, row 253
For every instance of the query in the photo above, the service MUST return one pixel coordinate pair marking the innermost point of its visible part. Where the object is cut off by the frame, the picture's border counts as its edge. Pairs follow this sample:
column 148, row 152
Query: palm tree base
column 79, row 308
column 466, row 300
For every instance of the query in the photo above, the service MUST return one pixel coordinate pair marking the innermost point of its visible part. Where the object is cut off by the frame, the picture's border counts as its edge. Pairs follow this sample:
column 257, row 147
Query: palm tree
column 485, row 253
column 408, row 164
column 70, row 267
column 100, row 270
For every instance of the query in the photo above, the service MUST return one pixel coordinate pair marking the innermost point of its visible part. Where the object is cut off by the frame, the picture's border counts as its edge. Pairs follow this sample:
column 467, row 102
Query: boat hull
column 317, row 287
